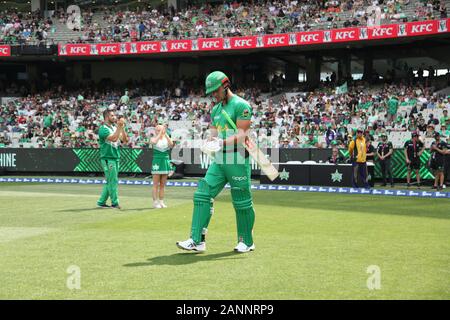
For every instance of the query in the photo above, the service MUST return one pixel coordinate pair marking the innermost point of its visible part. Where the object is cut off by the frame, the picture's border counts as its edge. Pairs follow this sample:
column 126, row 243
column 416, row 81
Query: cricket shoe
column 242, row 248
column 190, row 245
column 116, row 206
column 103, row 206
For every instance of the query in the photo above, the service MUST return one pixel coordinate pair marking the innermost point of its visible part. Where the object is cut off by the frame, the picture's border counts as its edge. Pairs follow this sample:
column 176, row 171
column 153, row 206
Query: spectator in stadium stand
column 413, row 150
column 357, row 150
column 312, row 141
column 438, row 151
column 384, row 153
column 392, row 104
column 335, row 157
column 444, row 118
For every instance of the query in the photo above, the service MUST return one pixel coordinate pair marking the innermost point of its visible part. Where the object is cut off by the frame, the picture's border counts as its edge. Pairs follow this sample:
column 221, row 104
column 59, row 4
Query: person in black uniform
column 413, row 150
column 335, row 157
column 384, row 152
column 438, row 151
column 447, row 164
column 370, row 150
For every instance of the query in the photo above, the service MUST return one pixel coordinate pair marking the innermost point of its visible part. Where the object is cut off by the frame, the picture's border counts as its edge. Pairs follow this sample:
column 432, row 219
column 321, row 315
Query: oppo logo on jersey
column 238, row 178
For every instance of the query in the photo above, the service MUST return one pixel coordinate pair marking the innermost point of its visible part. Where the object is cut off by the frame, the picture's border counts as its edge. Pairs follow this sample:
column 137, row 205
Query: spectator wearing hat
column 358, row 151
column 438, row 151
column 384, row 153
column 413, row 150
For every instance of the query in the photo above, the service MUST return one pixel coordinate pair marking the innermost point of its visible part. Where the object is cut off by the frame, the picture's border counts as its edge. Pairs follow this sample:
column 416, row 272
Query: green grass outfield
column 308, row 246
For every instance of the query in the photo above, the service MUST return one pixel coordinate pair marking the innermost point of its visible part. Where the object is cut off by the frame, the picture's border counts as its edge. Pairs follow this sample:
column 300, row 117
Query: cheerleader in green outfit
column 160, row 165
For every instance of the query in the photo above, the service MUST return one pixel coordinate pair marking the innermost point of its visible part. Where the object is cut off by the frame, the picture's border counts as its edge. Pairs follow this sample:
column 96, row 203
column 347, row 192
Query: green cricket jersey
column 237, row 108
column 108, row 150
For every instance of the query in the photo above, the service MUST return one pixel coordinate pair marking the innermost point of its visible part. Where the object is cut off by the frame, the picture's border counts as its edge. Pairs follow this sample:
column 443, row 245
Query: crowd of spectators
column 227, row 19
column 25, row 28
column 322, row 118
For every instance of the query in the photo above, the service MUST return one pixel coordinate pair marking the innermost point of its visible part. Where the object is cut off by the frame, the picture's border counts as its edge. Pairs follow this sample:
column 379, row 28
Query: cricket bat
column 252, row 148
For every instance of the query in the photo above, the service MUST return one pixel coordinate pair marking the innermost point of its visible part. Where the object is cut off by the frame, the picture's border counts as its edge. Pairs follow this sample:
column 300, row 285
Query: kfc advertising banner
column 5, row 51
column 409, row 29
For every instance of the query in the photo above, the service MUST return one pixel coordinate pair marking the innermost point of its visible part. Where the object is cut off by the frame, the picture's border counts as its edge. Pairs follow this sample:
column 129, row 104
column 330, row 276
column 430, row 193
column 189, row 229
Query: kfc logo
column 275, row 41
column 243, row 43
column 363, row 33
column 148, row 47
column 382, row 32
column 422, row 28
column 227, row 44
column 259, row 42
column 194, row 45
column 4, row 51
column 94, row 49
column 442, row 26
column 344, row 35
column 309, row 38
column 212, row 44
column 63, row 50
column 292, row 39
column 77, row 50
column 123, row 48
column 178, row 46
column 402, row 30
column 108, row 49
column 327, row 36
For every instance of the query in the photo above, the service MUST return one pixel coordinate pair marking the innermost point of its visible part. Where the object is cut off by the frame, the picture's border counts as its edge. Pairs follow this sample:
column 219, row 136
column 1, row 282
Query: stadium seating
column 208, row 21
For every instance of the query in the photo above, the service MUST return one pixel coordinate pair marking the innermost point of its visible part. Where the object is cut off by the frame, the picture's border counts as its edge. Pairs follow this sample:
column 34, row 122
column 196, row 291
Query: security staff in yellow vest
column 358, row 151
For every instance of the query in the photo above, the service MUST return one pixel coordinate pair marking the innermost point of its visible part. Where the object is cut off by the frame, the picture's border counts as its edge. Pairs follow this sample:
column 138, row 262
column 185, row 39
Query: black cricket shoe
column 103, row 206
column 116, row 206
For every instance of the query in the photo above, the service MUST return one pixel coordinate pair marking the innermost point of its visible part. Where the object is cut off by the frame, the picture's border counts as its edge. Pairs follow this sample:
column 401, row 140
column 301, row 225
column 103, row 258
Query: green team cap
column 214, row 80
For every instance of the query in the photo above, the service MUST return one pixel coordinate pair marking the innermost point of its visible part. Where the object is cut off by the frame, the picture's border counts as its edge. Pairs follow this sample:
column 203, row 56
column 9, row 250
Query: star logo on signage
column 284, row 175
column 336, row 176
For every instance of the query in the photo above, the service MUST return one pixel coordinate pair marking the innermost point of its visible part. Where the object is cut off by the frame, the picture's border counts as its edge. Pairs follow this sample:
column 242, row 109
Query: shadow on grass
column 184, row 258
column 106, row 210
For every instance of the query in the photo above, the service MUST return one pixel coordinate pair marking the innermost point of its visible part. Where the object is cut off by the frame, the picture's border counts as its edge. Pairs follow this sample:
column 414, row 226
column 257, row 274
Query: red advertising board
column 409, row 29
column 5, row 51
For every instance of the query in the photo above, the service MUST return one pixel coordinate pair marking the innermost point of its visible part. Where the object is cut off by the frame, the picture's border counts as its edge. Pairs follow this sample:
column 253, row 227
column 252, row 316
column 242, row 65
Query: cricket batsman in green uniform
column 230, row 123
column 110, row 137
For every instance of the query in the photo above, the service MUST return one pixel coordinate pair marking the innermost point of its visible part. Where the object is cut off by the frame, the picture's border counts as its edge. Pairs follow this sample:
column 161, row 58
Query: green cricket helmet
column 214, row 80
